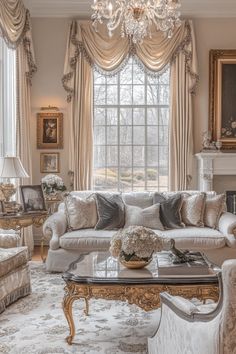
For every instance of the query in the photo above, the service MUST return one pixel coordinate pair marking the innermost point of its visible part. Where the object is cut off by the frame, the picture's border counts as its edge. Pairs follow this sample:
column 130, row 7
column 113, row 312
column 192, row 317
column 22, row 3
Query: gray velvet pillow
column 111, row 212
column 170, row 208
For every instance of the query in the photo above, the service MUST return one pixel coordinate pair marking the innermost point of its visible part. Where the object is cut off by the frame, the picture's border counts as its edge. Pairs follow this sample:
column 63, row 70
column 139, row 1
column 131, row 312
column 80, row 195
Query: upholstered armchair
column 186, row 328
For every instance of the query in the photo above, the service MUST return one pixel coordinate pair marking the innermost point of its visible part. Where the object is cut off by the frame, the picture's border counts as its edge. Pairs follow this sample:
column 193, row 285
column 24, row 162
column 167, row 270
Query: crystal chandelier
column 136, row 17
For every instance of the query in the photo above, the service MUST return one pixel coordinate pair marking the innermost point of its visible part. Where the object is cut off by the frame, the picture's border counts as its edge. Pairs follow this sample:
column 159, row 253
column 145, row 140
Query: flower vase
column 136, row 263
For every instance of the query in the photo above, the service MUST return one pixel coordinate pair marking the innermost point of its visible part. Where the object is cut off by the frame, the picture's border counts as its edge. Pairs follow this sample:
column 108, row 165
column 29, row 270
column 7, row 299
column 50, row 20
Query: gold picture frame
column 49, row 162
column 50, row 130
column 222, row 105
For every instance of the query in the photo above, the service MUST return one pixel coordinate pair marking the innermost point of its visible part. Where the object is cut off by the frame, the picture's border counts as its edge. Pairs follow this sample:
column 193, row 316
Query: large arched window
column 131, row 119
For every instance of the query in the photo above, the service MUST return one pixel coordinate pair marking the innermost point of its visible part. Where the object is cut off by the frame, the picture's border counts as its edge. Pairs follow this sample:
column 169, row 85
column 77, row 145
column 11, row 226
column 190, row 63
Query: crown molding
column 82, row 8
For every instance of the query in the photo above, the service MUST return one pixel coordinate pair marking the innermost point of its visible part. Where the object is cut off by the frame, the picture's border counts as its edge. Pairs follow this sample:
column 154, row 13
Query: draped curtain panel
column 109, row 55
column 16, row 31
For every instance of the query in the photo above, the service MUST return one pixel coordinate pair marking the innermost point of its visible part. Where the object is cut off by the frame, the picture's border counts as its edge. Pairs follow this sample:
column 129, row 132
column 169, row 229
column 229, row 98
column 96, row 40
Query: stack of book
column 198, row 266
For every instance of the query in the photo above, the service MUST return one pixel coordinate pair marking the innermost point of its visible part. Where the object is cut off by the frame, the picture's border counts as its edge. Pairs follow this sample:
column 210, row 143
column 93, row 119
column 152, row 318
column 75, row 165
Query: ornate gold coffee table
column 100, row 276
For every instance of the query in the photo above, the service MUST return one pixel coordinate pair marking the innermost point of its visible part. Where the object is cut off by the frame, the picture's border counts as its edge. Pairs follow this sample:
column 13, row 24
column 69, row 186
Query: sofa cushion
column 214, row 206
column 192, row 237
column 80, row 213
column 192, row 210
column 148, row 217
column 111, row 212
column 12, row 258
column 87, row 240
column 139, row 199
column 170, row 210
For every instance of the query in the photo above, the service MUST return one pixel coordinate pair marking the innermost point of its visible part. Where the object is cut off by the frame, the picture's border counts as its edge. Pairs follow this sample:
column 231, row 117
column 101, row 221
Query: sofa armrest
column 179, row 304
column 227, row 224
column 54, row 227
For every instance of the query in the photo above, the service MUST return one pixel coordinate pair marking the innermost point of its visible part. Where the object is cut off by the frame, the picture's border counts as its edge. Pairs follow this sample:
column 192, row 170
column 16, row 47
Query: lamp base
column 7, row 190
column 12, row 207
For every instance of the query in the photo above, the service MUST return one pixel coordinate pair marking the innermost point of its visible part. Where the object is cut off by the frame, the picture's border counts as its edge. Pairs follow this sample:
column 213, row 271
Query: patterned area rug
column 36, row 323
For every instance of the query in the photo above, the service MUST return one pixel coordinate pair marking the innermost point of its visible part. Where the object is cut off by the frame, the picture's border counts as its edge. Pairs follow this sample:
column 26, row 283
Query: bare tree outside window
column 131, row 128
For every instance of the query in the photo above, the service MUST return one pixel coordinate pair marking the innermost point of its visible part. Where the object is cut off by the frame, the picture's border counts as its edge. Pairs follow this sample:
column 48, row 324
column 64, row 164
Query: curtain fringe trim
column 80, row 49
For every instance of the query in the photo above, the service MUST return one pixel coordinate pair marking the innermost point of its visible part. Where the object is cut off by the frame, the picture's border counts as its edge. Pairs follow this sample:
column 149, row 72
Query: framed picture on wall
column 222, row 98
column 32, row 198
column 50, row 130
column 49, row 162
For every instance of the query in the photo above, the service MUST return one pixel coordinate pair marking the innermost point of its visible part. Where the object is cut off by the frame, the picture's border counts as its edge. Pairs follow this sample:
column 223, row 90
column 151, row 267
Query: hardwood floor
column 37, row 255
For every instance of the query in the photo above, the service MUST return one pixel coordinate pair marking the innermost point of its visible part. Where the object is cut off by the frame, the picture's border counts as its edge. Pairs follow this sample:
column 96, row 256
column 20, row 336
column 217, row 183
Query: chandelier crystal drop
column 136, row 17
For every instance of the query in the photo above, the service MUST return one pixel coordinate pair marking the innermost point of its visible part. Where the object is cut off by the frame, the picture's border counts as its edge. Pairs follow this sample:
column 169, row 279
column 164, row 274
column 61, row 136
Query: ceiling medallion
column 136, row 17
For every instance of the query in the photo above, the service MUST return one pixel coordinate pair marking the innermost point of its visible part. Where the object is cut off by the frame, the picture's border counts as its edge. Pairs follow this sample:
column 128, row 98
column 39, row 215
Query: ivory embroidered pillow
column 148, row 217
column 213, row 209
column 192, row 210
column 81, row 213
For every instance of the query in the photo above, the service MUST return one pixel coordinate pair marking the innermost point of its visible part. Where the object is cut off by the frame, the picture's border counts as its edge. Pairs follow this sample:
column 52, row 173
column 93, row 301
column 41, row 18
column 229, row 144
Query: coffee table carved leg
column 72, row 294
column 67, row 308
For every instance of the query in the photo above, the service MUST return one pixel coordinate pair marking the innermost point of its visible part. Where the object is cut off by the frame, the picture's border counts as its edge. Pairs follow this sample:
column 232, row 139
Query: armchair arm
column 227, row 224
column 54, row 227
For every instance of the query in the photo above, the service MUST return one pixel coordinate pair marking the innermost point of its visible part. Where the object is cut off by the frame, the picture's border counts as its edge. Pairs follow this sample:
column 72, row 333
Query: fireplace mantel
column 214, row 163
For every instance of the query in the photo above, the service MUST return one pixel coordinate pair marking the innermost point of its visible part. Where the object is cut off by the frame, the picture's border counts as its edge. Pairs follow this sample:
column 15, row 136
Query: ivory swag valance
column 87, row 49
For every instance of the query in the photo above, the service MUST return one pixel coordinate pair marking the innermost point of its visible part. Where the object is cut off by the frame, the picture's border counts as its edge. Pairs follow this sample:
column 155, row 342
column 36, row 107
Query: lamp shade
column 11, row 167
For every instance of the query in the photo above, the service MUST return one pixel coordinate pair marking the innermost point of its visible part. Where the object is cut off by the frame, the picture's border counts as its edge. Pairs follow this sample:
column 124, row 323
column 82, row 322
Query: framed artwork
column 49, row 162
column 49, row 130
column 222, row 97
column 32, row 198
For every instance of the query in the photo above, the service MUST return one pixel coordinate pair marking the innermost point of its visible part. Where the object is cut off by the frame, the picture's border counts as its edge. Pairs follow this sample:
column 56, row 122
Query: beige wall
column 49, row 35
column 50, row 42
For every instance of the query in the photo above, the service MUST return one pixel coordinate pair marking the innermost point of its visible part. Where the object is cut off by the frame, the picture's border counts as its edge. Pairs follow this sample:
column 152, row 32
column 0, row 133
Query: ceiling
column 82, row 8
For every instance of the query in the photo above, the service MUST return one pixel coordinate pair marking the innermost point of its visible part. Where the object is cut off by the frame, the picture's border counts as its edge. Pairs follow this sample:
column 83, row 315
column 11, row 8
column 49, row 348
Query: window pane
column 139, row 177
column 125, row 156
column 125, row 94
column 138, row 95
column 126, row 75
column 125, row 135
column 126, row 179
column 152, row 135
column 99, row 135
column 139, row 135
column 112, row 136
column 139, row 116
column 99, row 156
column 112, row 118
column 112, row 156
column 152, row 116
column 126, row 116
column 100, row 94
column 131, row 121
column 139, row 156
column 152, row 153
column 112, row 97
column 164, row 116
column 100, row 114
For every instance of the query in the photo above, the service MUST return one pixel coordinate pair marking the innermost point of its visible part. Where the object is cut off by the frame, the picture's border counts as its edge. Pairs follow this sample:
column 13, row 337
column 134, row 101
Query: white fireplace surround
column 214, row 163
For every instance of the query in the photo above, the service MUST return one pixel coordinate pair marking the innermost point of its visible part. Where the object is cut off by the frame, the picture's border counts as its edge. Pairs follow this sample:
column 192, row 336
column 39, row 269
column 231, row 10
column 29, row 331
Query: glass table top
column 101, row 267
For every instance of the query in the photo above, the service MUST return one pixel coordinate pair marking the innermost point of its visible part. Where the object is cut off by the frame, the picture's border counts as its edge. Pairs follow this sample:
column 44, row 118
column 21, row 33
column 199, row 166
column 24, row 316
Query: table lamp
column 10, row 167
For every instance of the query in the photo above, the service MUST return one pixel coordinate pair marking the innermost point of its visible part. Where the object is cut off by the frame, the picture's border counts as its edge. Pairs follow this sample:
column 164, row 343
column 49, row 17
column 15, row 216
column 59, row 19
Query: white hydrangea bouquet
column 52, row 184
column 135, row 243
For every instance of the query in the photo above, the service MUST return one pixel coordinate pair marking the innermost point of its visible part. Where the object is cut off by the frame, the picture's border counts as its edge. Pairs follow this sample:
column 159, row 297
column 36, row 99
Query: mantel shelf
column 214, row 163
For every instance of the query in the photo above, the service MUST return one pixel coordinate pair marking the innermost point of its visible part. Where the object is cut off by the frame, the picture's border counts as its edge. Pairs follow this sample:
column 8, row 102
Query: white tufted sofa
column 218, row 244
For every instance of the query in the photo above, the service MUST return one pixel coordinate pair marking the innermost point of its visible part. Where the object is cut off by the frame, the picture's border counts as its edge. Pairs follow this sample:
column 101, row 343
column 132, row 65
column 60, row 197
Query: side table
column 20, row 220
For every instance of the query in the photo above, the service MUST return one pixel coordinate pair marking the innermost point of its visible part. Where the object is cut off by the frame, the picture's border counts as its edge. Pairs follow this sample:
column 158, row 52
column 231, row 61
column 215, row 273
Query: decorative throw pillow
column 148, row 217
column 170, row 210
column 81, row 213
column 213, row 208
column 192, row 210
column 111, row 212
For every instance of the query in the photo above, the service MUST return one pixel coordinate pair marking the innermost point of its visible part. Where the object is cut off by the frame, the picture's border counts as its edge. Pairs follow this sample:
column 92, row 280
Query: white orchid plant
column 135, row 242
column 52, row 184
